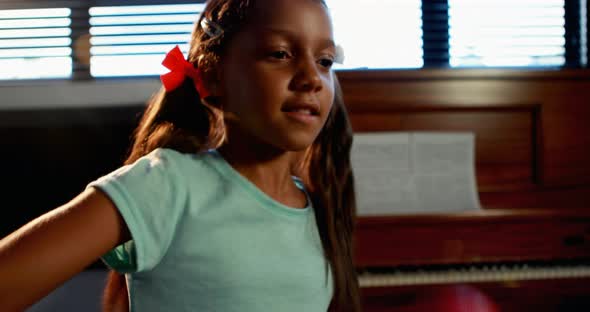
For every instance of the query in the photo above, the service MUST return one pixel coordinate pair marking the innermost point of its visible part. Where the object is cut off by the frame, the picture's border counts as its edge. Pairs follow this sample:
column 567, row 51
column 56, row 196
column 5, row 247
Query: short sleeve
column 150, row 195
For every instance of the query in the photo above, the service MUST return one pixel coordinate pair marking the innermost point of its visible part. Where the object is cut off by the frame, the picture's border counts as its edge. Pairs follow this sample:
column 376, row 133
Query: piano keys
column 521, row 260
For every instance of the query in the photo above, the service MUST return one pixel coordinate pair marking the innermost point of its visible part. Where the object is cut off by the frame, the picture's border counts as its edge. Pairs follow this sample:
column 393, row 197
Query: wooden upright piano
column 528, row 249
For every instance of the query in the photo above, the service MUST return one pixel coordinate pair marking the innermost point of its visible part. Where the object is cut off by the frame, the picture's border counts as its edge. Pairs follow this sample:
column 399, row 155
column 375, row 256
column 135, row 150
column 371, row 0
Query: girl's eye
column 281, row 55
column 326, row 62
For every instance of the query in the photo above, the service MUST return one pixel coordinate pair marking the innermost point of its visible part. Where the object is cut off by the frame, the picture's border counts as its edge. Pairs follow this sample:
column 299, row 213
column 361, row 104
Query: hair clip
column 339, row 58
column 211, row 28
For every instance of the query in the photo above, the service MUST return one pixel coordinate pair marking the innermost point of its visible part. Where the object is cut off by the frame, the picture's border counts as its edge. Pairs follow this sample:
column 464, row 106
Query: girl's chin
column 299, row 143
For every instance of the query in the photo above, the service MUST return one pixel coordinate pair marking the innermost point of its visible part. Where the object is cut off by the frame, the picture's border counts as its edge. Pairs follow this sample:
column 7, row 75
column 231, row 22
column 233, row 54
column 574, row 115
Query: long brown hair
column 181, row 121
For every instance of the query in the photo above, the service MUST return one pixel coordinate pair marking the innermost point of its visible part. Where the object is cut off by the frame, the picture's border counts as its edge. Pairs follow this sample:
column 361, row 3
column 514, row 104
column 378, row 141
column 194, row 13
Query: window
column 507, row 33
column 133, row 40
column 35, row 43
column 139, row 36
column 378, row 33
column 113, row 38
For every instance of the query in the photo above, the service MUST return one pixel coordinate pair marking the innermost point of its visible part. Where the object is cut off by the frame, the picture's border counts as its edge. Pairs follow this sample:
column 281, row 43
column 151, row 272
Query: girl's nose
column 307, row 78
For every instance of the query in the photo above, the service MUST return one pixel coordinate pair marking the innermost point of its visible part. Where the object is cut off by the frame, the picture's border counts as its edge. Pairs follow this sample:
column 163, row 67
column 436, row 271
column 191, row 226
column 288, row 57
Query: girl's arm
column 54, row 247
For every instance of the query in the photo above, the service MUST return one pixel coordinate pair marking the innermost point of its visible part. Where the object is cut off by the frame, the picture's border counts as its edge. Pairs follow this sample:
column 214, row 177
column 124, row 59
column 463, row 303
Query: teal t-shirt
column 204, row 238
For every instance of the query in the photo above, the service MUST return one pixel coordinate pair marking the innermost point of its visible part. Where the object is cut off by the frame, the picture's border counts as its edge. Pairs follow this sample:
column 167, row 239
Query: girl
column 206, row 215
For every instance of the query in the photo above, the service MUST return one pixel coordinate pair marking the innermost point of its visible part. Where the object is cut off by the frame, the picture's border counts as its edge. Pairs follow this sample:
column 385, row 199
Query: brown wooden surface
column 486, row 236
column 532, row 129
column 481, row 236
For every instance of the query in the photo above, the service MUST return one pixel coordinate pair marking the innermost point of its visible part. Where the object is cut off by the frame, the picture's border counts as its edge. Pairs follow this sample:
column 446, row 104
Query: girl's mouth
column 308, row 109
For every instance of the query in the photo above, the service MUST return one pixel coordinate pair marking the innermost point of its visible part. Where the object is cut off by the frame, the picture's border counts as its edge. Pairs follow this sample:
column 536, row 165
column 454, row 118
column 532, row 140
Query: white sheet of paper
column 414, row 172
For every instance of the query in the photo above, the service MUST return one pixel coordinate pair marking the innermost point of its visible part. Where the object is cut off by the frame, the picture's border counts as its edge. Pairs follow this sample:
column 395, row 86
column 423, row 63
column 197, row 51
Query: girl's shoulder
column 169, row 154
column 167, row 163
column 204, row 167
column 183, row 162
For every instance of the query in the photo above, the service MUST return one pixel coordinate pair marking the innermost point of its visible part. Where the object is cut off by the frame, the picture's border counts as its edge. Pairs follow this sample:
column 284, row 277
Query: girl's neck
column 267, row 167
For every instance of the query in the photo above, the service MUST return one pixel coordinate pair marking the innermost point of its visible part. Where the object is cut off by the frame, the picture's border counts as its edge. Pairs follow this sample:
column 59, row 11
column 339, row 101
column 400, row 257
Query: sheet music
column 414, row 172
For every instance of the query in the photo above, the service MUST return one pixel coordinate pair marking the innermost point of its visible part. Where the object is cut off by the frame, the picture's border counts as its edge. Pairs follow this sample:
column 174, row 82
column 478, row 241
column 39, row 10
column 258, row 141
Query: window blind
column 507, row 33
column 113, row 38
column 35, row 43
column 378, row 33
column 132, row 40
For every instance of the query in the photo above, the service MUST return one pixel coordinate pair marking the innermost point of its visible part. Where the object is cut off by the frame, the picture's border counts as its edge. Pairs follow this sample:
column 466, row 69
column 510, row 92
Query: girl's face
column 276, row 83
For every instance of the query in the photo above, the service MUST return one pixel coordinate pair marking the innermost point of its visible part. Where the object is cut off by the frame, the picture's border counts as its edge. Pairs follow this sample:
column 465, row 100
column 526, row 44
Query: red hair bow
column 179, row 70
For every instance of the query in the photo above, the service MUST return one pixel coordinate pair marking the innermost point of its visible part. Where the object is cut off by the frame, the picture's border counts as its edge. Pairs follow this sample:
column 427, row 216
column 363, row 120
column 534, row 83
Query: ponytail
column 179, row 120
column 115, row 297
